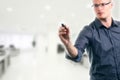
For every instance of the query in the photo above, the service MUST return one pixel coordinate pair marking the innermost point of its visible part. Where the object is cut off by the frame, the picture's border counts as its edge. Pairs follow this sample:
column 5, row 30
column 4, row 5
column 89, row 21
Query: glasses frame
column 101, row 4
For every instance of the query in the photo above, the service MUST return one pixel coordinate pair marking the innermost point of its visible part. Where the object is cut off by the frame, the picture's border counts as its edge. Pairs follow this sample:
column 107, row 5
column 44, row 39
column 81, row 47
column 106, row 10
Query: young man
column 101, row 38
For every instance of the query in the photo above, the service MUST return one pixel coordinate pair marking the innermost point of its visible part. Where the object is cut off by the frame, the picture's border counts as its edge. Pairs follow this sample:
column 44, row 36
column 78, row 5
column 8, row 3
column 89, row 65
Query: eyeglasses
column 102, row 5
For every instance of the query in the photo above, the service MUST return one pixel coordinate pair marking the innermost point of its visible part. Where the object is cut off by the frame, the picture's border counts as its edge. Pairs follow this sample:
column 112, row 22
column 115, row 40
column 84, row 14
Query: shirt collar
column 98, row 24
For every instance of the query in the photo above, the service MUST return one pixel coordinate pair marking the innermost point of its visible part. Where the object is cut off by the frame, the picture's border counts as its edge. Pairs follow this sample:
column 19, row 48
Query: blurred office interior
column 30, row 48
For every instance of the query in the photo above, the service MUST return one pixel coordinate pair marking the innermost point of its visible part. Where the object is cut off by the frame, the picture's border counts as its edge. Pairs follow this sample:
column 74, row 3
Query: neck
column 106, row 22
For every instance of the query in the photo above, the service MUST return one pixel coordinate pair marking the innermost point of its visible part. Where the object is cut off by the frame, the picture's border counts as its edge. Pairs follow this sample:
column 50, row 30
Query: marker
column 65, row 27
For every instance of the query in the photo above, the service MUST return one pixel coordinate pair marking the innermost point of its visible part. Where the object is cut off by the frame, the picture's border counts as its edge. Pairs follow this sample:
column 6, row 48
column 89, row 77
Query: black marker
column 65, row 27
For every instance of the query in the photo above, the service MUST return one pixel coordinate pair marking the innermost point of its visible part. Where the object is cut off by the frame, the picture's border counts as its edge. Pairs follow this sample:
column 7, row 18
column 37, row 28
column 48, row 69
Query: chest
column 106, row 39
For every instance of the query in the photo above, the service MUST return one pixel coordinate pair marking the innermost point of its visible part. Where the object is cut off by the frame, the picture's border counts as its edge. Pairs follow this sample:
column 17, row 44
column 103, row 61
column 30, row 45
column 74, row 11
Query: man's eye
column 103, row 4
column 96, row 5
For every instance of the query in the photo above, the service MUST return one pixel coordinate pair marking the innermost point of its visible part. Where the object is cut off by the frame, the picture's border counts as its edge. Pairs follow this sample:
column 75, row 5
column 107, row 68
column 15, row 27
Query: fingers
column 64, row 34
column 63, row 30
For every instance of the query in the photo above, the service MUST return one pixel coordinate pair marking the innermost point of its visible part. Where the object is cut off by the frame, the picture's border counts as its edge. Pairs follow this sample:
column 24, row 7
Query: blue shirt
column 103, row 47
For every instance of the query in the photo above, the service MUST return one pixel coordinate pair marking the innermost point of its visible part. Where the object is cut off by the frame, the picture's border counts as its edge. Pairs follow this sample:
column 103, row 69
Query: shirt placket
column 113, row 51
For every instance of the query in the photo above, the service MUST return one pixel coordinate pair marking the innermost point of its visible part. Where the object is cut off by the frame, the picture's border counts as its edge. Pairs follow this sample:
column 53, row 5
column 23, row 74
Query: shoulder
column 87, row 30
column 117, row 22
column 90, row 26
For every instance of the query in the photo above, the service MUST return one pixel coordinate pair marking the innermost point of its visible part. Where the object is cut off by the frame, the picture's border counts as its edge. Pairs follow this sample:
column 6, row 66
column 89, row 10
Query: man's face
column 102, row 8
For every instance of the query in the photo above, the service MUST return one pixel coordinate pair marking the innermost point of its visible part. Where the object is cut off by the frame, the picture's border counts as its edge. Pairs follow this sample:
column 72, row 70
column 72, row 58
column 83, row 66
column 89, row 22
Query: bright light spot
column 9, row 9
column 48, row 7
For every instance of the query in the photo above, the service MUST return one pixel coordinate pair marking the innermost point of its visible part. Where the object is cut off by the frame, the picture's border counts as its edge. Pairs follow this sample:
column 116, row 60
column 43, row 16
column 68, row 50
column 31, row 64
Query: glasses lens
column 102, row 4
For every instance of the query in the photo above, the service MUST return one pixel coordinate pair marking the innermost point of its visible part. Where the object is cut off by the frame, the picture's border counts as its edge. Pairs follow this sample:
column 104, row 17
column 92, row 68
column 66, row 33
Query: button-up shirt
column 103, row 47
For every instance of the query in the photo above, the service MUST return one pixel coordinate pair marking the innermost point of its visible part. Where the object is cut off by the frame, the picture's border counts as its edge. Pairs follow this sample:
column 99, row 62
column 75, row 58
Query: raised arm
column 64, row 33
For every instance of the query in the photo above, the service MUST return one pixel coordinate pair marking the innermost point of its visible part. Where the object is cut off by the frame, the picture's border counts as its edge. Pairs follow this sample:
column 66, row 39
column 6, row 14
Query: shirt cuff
column 76, row 59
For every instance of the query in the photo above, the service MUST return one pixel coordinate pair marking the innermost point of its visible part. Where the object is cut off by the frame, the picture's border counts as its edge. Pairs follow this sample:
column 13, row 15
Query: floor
column 38, row 65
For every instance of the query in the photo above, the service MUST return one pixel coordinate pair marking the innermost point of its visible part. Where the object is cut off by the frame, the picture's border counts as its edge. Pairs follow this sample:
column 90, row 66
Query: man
column 101, row 39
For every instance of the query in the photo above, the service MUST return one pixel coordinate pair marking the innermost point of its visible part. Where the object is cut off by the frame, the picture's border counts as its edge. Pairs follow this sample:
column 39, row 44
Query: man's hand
column 65, row 38
column 64, row 34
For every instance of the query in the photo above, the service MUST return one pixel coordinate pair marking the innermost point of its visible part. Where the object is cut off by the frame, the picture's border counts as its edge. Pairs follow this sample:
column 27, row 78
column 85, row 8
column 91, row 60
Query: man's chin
column 102, row 18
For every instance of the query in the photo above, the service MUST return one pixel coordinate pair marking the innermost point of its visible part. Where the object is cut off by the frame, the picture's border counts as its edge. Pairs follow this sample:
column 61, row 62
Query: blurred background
column 30, row 48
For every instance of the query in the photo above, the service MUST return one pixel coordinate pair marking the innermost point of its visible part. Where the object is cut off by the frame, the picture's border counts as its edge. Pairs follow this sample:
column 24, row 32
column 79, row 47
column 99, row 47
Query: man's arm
column 72, row 50
column 82, row 41
column 65, row 38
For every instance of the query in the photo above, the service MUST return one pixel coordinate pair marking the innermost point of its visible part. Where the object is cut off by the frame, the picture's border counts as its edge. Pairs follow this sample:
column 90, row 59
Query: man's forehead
column 101, row 1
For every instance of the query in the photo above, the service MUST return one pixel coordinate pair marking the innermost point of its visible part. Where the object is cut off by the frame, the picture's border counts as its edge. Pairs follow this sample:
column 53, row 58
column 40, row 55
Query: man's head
column 102, row 8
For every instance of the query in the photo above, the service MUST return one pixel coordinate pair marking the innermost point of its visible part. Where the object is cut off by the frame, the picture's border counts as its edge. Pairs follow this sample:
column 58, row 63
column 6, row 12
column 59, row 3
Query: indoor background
column 30, row 48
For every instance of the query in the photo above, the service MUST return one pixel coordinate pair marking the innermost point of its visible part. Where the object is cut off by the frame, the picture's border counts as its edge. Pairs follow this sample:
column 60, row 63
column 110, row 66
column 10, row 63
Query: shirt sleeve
column 81, row 43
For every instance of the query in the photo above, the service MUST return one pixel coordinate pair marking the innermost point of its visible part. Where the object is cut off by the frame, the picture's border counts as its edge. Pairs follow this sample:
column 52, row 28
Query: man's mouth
column 100, row 13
